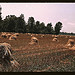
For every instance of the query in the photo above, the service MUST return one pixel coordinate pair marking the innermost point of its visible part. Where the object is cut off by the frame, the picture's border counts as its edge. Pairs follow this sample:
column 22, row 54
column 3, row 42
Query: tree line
column 11, row 23
column 65, row 33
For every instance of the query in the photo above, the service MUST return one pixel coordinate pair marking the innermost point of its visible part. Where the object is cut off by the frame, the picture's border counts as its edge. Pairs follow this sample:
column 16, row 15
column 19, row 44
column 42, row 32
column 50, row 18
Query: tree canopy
column 11, row 23
column 58, row 27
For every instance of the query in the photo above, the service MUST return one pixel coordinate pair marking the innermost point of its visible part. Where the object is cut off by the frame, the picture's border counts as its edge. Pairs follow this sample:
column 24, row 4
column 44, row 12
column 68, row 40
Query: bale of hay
column 3, row 35
column 16, row 34
column 70, row 43
column 8, row 35
column 34, row 40
column 54, row 39
column 36, row 34
column 6, row 44
column 53, row 35
column 42, row 35
column 72, row 48
column 29, row 34
column 13, row 37
column 6, row 48
column 7, row 63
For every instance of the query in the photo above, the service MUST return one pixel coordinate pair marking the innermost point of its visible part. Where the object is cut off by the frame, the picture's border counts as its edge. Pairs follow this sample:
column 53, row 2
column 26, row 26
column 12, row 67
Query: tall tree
column 22, row 16
column 31, row 23
column 58, row 27
column 36, row 27
column 9, row 23
column 0, row 14
column 42, row 28
column 20, row 24
column 1, row 21
column 49, row 28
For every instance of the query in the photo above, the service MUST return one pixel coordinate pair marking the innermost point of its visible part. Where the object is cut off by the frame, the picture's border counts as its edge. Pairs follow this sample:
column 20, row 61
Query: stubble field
column 46, row 56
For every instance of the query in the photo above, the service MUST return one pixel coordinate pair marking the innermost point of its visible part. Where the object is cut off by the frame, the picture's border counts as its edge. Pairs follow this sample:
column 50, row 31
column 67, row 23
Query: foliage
column 58, row 27
column 49, row 28
column 31, row 24
column 65, row 33
column 11, row 23
column 20, row 24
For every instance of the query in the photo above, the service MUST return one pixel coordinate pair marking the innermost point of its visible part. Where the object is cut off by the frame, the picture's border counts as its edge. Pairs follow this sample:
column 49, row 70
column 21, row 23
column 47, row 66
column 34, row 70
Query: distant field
column 46, row 56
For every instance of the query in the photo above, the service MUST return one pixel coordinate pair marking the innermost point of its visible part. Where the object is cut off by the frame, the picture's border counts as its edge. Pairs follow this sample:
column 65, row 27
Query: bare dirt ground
column 46, row 56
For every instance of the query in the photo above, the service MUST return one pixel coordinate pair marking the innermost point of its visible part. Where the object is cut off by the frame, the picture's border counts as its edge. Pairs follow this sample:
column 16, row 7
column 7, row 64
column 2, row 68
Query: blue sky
column 44, row 12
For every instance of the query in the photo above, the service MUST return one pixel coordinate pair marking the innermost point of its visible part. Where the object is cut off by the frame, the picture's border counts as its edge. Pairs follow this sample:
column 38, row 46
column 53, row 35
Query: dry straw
column 70, row 43
column 7, row 63
column 34, row 40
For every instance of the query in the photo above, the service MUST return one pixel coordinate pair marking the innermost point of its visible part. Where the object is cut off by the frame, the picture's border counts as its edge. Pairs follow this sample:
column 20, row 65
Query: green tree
column 49, row 28
column 42, row 28
column 0, row 18
column 58, row 27
column 14, row 24
column 31, row 24
column 1, row 22
column 36, row 27
column 22, row 16
column 1, row 25
column 27, row 28
column 20, row 24
column 9, row 23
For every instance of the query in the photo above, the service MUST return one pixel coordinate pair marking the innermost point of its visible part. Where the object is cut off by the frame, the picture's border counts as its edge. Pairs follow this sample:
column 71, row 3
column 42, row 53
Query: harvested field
column 47, row 56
